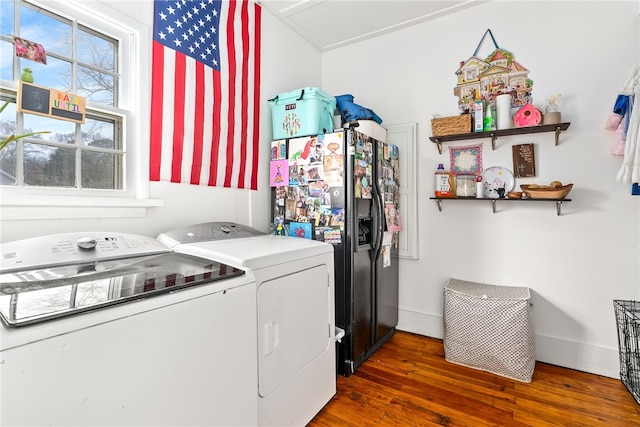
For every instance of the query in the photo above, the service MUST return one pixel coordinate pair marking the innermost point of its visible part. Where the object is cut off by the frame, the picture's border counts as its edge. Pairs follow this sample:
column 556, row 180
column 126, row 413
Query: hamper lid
column 487, row 291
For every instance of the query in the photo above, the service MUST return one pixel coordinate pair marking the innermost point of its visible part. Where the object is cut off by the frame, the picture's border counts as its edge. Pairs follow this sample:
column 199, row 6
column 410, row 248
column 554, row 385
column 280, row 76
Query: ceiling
column 330, row 24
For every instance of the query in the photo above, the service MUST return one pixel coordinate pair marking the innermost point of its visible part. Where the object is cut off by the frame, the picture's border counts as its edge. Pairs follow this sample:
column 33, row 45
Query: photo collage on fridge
column 307, row 176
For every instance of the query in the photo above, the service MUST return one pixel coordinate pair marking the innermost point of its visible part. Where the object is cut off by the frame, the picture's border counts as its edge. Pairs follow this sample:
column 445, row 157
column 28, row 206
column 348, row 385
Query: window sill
column 29, row 207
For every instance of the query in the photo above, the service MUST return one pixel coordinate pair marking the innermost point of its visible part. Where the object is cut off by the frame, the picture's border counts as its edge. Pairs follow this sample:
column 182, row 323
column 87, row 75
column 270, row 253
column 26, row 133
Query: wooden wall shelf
column 494, row 134
column 558, row 202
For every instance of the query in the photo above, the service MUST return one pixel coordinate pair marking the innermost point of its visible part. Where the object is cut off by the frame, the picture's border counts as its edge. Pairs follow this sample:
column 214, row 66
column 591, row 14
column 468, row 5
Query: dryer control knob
column 225, row 229
column 86, row 243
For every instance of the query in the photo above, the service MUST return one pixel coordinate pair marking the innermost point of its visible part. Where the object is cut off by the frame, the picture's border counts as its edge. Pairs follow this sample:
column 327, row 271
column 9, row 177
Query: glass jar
column 465, row 185
column 551, row 115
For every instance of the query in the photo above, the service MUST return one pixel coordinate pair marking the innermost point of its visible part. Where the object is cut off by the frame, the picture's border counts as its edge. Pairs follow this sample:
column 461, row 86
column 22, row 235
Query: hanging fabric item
column 618, row 121
column 630, row 170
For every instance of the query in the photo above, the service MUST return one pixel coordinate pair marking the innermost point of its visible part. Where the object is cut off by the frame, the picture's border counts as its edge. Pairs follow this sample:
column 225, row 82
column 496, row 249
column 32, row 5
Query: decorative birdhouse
column 527, row 115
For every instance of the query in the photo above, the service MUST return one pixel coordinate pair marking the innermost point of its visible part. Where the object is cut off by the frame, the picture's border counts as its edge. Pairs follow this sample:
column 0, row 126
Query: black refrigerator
column 342, row 188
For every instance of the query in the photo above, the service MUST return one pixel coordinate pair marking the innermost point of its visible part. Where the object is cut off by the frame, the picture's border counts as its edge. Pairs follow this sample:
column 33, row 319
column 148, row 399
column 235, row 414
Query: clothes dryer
column 295, row 313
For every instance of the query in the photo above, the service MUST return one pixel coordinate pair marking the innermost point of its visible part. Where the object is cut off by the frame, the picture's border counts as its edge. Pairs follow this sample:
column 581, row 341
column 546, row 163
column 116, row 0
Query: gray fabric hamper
column 489, row 327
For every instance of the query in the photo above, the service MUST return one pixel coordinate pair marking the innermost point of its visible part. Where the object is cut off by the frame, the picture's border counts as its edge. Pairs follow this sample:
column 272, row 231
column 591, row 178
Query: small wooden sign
column 44, row 101
column 524, row 160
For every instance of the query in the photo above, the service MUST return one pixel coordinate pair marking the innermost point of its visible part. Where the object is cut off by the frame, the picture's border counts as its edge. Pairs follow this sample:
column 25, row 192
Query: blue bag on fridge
column 351, row 111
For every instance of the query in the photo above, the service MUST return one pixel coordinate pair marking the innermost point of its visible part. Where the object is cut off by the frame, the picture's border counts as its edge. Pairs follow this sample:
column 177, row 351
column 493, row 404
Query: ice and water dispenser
column 365, row 222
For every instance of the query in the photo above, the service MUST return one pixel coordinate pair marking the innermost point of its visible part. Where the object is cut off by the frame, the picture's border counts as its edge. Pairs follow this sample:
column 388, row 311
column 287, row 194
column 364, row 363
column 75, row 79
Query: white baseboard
column 580, row 356
column 556, row 351
column 420, row 323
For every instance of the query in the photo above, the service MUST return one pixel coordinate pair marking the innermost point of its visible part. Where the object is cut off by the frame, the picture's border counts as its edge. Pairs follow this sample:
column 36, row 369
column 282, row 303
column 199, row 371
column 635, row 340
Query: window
column 95, row 51
column 79, row 61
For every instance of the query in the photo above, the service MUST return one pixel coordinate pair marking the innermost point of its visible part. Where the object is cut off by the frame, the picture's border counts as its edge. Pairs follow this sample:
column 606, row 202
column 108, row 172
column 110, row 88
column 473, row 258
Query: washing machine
column 295, row 313
column 115, row 329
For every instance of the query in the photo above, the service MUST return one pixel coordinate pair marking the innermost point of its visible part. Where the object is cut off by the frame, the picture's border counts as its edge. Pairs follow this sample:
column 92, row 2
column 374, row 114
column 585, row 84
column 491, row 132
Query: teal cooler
column 302, row 112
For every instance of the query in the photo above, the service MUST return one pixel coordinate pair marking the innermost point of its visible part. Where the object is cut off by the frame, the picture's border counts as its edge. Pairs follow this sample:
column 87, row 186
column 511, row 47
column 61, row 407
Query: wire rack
column 628, row 322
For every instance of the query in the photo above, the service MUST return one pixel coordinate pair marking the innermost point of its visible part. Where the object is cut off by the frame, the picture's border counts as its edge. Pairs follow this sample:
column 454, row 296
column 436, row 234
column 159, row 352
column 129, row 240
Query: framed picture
column 524, row 160
column 466, row 160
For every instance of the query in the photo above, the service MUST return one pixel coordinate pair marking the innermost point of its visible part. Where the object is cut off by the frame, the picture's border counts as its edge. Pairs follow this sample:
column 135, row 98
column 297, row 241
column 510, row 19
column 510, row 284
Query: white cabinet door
column 293, row 325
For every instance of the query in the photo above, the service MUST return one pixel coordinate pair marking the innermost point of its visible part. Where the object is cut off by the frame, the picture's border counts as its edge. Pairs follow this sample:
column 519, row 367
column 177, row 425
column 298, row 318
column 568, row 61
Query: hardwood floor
column 409, row 383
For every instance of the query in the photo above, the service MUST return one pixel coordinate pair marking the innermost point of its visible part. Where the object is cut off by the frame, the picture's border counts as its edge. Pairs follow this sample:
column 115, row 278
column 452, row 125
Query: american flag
column 205, row 92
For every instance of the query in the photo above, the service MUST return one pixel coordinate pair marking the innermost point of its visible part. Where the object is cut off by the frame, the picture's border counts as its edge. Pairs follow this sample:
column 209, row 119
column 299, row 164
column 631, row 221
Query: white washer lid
column 257, row 252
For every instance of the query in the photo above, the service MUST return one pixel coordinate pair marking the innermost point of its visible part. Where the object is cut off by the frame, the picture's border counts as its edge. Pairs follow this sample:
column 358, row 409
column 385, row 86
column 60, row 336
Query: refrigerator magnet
column 279, row 173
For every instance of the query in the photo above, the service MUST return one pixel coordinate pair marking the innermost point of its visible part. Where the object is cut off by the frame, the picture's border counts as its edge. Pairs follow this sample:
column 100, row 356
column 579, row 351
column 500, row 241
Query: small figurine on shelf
column 26, row 75
column 551, row 112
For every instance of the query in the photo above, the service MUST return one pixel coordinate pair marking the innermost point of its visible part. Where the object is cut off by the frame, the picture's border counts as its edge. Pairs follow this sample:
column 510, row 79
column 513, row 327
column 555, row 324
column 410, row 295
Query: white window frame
column 134, row 38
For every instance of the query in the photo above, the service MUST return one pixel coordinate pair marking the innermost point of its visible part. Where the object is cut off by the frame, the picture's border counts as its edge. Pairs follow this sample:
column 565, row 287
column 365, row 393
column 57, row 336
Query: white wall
column 575, row 264
column 287, row 62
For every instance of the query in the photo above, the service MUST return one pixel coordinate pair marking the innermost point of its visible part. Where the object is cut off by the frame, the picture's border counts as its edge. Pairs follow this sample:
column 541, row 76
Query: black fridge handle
column 379, row 206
